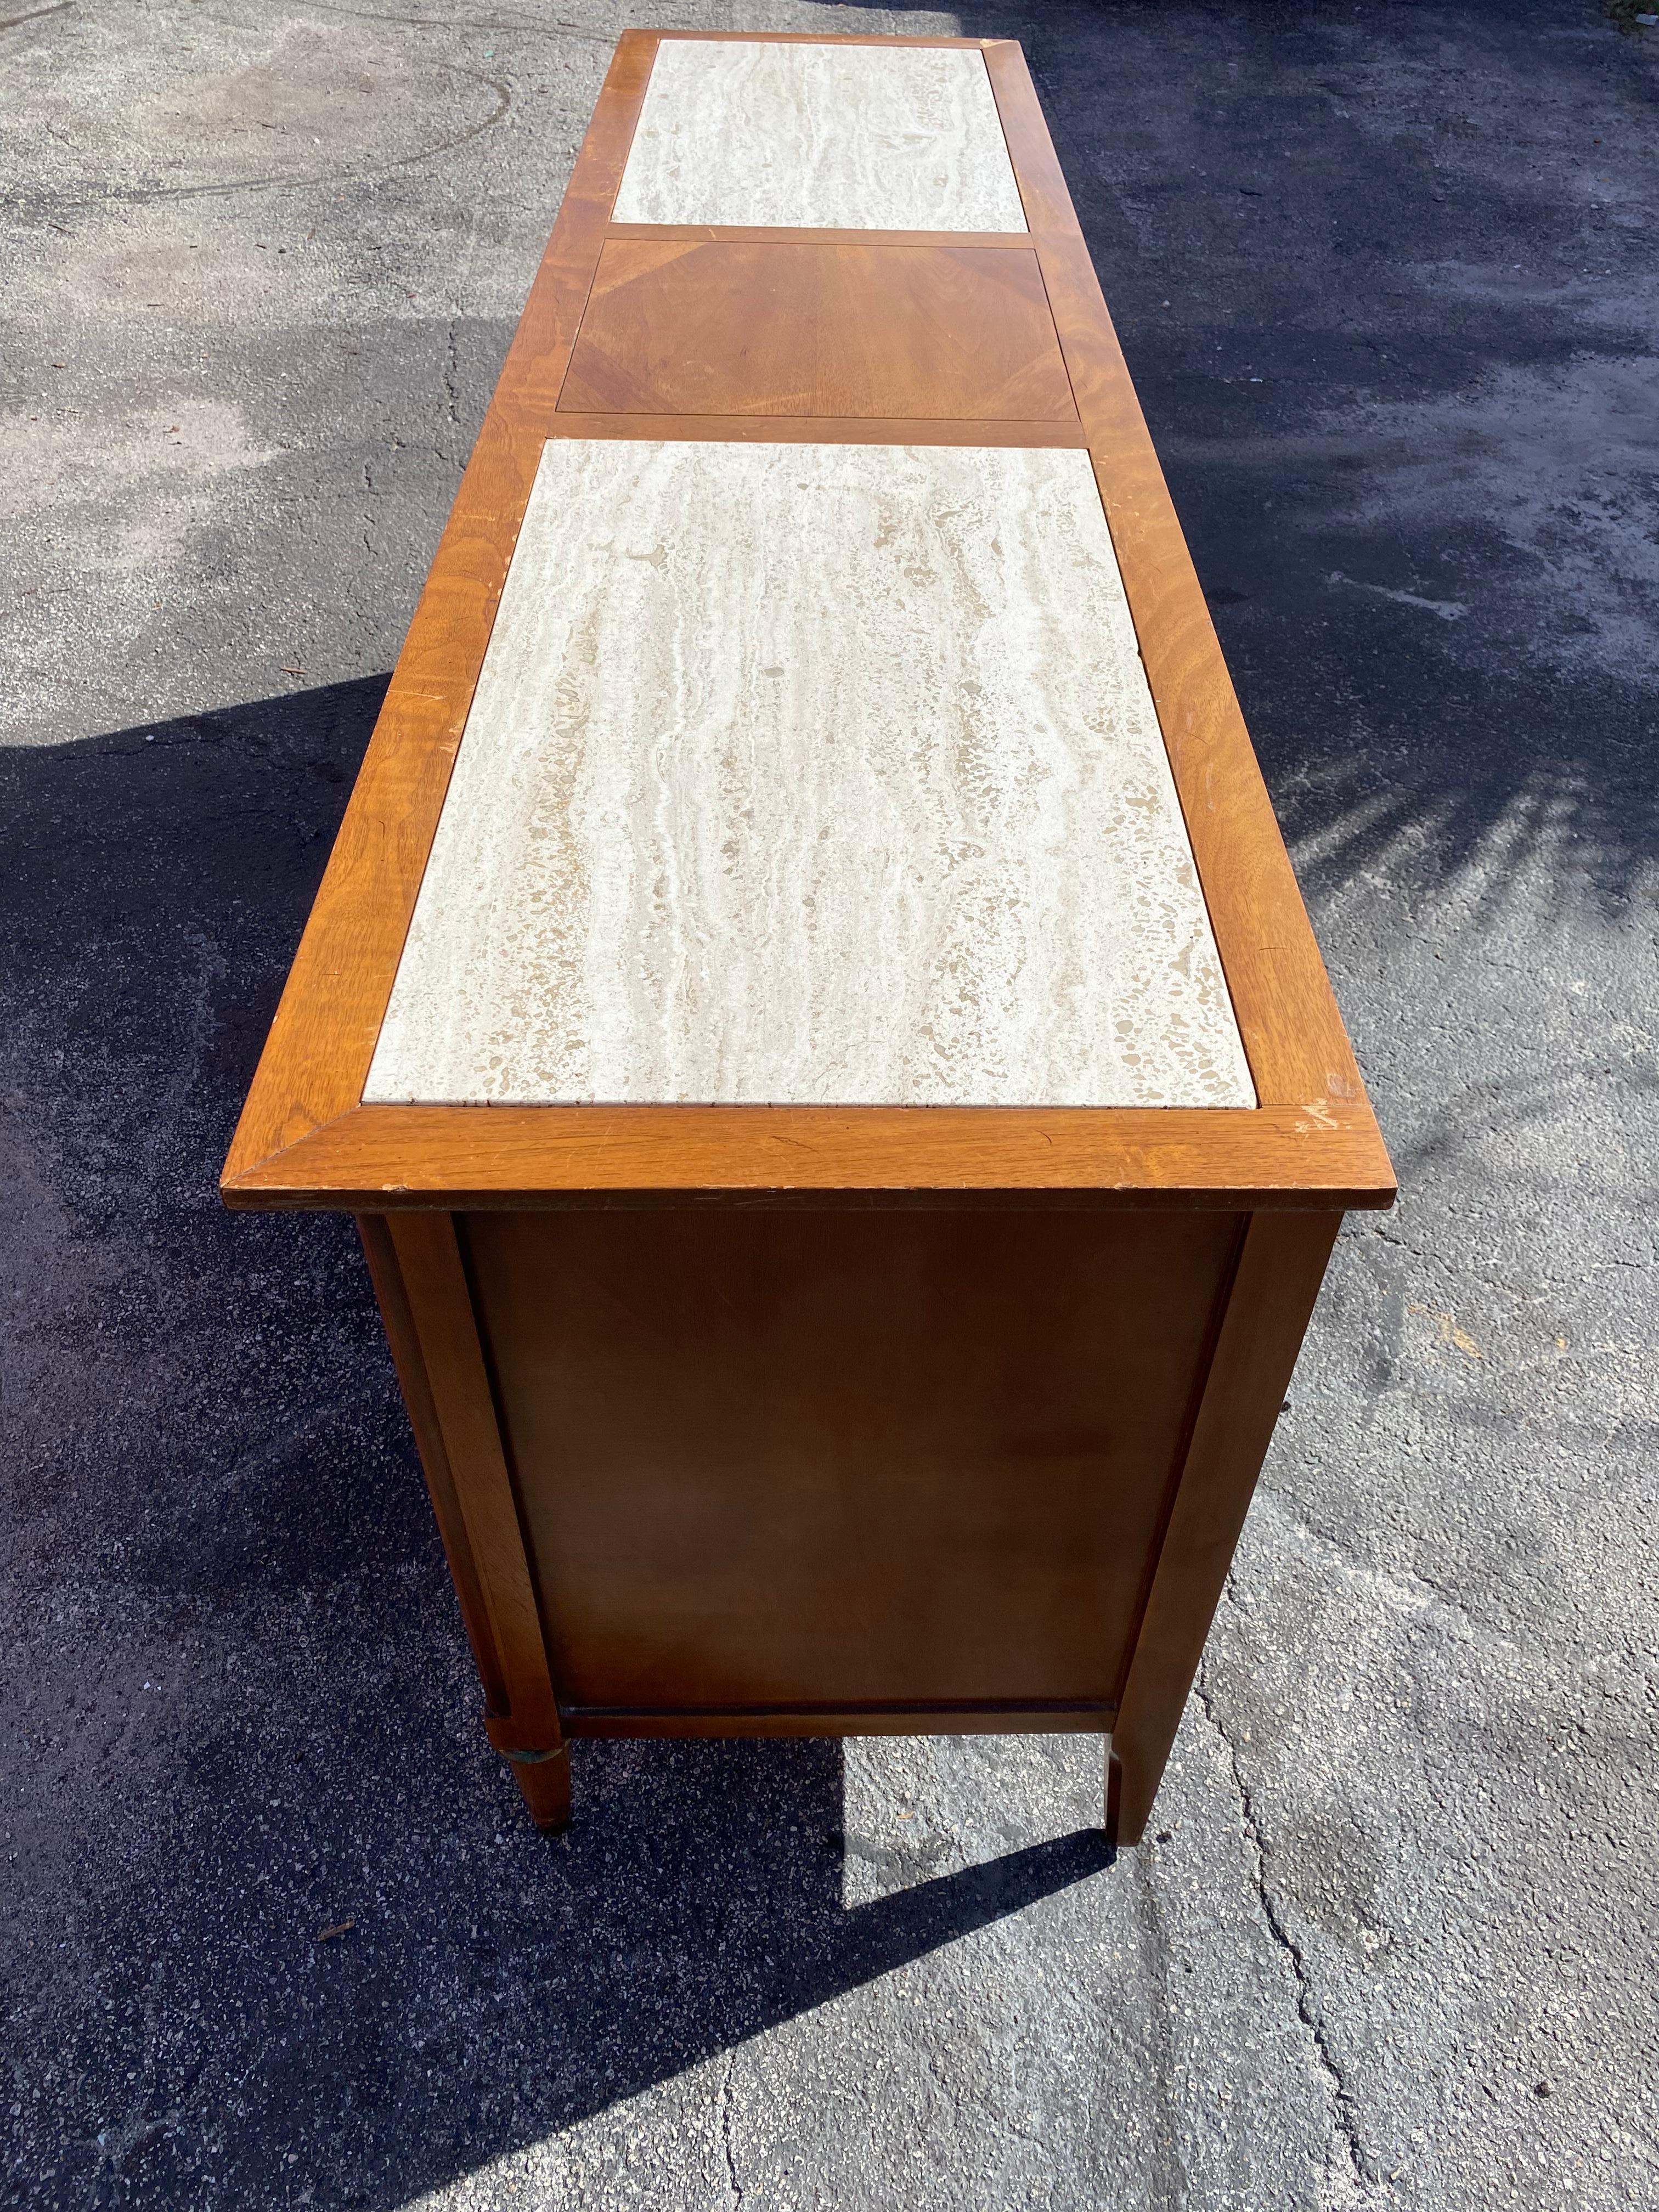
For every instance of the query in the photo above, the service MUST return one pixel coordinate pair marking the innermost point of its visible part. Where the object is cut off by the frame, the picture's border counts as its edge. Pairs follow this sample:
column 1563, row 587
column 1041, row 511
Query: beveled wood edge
column 703, row 234
column 1060, row 1718
column 821, row 429
column 389, row 1159
column 306, row 1092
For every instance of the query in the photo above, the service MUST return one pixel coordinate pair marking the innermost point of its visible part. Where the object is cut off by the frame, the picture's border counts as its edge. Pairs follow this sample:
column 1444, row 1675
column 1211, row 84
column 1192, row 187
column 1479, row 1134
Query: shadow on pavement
column 243, row 1711
column 259, row 1722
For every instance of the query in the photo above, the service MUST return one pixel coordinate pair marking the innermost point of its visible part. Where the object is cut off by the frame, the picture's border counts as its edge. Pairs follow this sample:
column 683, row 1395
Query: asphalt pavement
column 275, row 1930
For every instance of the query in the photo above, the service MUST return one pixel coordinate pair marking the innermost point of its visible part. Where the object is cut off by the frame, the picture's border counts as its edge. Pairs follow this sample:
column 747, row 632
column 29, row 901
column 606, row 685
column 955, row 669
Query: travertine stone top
column 830, row 137
column 813, row 773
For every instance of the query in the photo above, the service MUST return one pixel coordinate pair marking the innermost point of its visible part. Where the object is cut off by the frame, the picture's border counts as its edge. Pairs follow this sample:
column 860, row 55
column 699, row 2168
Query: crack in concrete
column 61, row 8
column 209, row 969
column 1463, row 1269
column 554, row 29
column 451, row 369
column 733, row 2182
column 1413, row 1597
column 138, row 195
column 1362, row 2171
column 1401, row 1588
column 1167, row 2190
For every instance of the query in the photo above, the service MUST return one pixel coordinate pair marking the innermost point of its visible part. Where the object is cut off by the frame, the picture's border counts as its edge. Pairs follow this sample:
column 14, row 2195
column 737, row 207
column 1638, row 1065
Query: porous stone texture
column 828, row 138
column 1388, row 1947
column 820, row 774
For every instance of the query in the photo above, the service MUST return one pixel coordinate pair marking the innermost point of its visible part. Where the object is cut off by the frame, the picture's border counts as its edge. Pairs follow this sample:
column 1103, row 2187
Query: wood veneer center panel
column 948, row 332
column 819, row 775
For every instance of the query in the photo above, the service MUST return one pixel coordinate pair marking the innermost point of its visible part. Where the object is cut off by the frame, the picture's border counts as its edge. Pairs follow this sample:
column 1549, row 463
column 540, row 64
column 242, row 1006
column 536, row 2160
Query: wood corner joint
column 248, row 1177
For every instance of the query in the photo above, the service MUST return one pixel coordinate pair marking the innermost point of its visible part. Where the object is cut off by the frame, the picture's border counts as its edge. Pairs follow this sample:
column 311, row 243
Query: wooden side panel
column 677, row 327
column 840, row 1460
column 1280, row 1267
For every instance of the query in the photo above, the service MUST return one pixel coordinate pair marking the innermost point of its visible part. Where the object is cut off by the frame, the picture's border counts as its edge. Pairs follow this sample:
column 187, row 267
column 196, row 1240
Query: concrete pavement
column 1386, row 277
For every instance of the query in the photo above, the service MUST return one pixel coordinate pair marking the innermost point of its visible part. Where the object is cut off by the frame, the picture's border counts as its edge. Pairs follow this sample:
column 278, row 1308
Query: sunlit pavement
column 1385, row 276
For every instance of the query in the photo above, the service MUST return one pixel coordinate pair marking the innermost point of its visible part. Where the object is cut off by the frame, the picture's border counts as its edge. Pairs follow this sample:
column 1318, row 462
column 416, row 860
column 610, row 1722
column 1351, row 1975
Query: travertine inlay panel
column 832, row 138
column 811, row 774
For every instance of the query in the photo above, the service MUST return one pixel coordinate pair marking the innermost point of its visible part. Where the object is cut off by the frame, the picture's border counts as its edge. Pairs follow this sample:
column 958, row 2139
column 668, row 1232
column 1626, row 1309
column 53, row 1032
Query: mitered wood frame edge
column 306, row 1139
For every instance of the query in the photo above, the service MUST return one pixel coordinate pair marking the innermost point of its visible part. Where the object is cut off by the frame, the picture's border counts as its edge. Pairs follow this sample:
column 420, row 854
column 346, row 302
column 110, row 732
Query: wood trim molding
column 382, row 1158
column 386, row 1276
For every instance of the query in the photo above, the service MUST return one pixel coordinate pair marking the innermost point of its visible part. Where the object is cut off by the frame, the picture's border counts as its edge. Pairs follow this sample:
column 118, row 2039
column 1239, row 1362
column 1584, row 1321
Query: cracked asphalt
column 275, row 1932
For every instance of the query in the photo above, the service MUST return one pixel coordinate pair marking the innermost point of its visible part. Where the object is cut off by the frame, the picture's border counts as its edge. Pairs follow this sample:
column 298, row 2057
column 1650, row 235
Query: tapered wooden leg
column 1128, row 1801
column 546, row 1786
